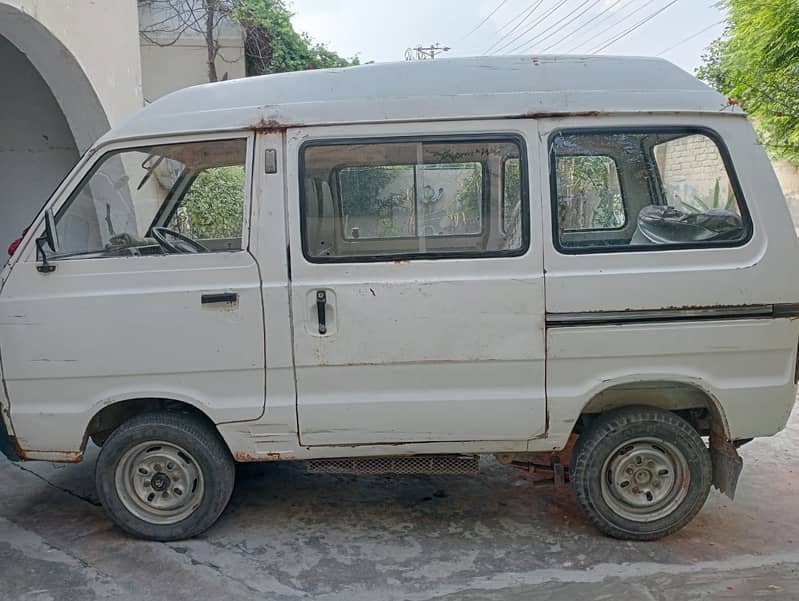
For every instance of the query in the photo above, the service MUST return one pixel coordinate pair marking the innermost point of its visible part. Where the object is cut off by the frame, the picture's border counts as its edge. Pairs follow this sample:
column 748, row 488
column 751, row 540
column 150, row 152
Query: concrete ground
column 496, row 536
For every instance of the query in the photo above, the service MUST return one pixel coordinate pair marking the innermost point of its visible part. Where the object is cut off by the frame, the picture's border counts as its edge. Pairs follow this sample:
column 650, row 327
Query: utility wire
column 527, row 12
column 553, row 31
column 533, row 26
column 524, row 13
column 690, row 37
column 484, row 21
column 611, row 26
column 579, row 27
column 627, row 32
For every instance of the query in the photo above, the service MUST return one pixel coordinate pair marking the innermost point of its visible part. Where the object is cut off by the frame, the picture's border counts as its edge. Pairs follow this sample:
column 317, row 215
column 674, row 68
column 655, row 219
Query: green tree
column 756, row 64
column 272, row 45
column 214, row 204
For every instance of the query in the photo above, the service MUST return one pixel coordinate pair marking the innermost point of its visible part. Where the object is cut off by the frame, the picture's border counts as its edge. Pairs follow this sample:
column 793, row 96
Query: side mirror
column 49, row 239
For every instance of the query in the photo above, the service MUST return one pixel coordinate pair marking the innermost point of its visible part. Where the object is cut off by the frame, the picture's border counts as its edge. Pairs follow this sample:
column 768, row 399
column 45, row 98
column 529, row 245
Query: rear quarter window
column 616, row 190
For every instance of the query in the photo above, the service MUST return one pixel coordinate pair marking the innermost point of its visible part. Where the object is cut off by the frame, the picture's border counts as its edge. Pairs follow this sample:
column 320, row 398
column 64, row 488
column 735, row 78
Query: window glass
column 212, row 208
column 411, row 199
column 615, row 190
column 511, row 194
column 589, row 195
column 377, row 201
column 693, row 175
column 194, row 190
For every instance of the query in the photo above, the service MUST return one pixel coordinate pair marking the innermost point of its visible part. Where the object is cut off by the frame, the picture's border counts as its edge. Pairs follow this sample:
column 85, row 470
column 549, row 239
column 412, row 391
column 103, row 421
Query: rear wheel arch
column 688, row 399
column 110, row 417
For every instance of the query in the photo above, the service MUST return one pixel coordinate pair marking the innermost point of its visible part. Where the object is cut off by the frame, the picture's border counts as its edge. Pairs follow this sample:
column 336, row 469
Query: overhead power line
column 553, row 31
column 484, row 21
column 519, row 19
column 690, row 37
column 541, row 19
column 588, row 23
column 611, row 26
column 640, row 23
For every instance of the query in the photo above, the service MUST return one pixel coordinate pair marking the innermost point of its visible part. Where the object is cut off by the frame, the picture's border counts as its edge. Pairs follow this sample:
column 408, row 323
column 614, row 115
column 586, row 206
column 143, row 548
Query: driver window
column 164, row 199
column 212, row 209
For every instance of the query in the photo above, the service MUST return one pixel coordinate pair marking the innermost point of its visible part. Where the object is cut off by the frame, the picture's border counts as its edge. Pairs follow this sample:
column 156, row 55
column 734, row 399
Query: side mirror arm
column 44, row 266
column 49, row 238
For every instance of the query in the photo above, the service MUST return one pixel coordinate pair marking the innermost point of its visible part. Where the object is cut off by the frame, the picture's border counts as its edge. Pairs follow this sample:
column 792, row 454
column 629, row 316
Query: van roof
column 460, row 88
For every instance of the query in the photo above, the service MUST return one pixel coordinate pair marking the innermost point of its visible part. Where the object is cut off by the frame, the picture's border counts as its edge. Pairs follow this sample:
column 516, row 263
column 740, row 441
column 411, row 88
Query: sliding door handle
column 321, row 310
column 219, row 297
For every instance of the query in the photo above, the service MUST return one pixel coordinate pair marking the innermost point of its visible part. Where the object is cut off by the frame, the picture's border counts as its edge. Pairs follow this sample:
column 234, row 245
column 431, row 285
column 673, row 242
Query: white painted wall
column 788, row 174
column 71, row 70
column 166, row 68
column 37, row 147
column 69, row 41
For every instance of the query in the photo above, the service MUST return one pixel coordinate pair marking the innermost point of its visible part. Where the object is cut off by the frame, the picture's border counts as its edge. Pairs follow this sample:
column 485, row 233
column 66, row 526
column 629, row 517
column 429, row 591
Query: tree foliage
column 272, row 45
column 213, row 205
column 756, row 64
column 589, row 179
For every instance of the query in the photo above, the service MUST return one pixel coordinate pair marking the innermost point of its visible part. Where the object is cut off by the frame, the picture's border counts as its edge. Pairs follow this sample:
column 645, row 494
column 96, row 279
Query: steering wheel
column 188, row 245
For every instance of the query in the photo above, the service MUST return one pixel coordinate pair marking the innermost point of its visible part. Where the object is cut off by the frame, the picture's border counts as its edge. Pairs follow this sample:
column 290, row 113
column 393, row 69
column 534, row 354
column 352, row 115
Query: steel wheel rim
column 645, row 479
column 159, row 482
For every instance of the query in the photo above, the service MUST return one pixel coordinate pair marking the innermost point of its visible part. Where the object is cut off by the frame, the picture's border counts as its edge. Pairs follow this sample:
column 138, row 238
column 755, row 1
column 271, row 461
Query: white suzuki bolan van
column 580, row 265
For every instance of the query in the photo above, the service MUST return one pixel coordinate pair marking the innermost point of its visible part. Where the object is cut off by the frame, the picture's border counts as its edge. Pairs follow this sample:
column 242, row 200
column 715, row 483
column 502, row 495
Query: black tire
column 616, row 441
column 204, row 454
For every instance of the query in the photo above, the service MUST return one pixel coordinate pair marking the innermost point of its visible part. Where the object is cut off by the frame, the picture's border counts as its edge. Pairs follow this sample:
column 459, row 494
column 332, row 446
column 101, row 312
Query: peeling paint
column 245, row 457
column 272, row 126
column 554, row 115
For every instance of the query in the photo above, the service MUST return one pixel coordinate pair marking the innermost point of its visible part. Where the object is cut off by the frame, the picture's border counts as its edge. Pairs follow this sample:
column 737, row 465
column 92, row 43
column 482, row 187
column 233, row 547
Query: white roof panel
column 465, row 88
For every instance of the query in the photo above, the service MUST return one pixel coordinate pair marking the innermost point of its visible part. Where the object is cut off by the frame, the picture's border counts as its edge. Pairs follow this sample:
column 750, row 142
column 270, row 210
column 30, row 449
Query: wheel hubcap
column 645, row 479
column 159, row 482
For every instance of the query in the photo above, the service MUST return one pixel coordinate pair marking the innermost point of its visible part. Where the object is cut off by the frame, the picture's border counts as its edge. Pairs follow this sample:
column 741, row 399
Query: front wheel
column 640, row 473
column 164, row 476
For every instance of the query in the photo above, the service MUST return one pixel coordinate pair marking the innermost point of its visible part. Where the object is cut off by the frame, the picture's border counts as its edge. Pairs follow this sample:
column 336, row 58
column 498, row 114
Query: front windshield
column 196, row 189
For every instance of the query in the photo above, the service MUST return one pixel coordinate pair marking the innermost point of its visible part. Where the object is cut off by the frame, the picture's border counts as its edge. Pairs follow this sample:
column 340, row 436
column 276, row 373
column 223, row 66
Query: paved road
column 497, row 536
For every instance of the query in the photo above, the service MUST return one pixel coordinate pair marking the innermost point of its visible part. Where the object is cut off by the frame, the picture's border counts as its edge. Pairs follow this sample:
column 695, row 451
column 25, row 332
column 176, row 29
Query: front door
column 416, row 287
column 154, row 294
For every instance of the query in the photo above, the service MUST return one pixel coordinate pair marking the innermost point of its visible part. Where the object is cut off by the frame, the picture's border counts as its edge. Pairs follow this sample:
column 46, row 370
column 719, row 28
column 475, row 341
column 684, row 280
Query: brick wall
column 690, row 168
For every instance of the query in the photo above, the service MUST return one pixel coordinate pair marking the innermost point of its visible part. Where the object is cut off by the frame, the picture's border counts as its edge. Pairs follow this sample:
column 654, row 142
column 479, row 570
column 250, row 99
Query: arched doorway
column 49, row 115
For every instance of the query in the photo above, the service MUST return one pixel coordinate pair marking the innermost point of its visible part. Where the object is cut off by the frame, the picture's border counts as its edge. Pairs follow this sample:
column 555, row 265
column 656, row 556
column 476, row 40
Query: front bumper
column 7, row 446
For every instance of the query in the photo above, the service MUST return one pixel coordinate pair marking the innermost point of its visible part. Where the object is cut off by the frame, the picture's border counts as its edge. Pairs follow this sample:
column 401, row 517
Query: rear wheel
column 640, row 473
column 164, row 476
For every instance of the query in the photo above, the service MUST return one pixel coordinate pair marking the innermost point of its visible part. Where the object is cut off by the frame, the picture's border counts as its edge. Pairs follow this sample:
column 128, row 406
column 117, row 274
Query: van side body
column 459, row 258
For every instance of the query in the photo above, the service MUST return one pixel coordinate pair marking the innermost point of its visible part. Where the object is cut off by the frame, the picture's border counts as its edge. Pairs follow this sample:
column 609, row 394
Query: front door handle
column 321, row 310
column 219, row 297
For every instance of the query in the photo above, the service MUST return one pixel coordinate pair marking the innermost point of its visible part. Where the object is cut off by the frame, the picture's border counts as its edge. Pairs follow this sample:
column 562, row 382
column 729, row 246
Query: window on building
column 638, row 190
column 373, row 201
column 192, row 194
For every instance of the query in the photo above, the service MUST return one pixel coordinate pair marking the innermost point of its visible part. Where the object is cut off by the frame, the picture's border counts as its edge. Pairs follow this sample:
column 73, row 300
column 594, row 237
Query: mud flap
column 727, row 465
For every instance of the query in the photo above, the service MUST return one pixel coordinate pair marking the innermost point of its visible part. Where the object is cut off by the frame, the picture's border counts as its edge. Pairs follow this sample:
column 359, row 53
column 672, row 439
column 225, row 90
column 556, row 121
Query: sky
column 382, row 30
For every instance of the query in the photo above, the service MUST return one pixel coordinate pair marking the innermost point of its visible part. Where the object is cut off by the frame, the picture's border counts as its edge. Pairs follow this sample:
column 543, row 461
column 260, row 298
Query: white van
column 581, row 265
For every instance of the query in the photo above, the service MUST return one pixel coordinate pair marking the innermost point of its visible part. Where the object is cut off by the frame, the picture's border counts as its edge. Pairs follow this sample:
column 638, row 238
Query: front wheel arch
column 147, row 495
